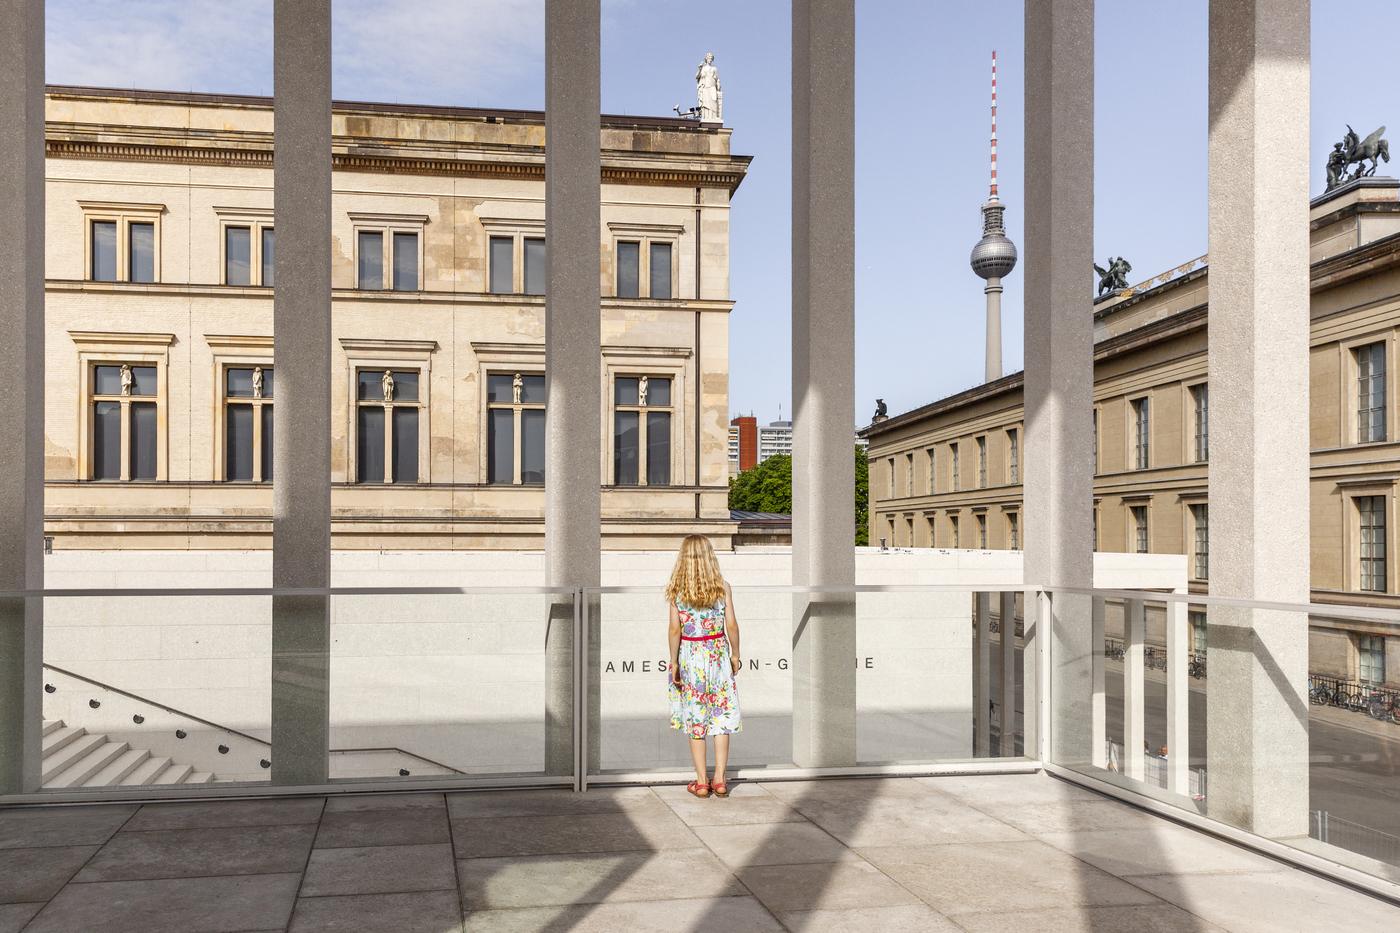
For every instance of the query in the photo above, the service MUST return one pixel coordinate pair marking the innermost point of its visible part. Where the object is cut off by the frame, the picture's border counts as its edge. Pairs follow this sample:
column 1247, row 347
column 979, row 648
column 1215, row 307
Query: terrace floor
column 1014, row 852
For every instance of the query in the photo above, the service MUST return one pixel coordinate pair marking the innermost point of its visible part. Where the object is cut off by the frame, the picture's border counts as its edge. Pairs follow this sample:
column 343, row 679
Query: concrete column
column 1257, row 718
column 1007, row 747
column 993, row 293
column 1059, row 349
column 573, row 367
column 823, row 380
column 301, row 325
column 982, row 675
column 22, row 417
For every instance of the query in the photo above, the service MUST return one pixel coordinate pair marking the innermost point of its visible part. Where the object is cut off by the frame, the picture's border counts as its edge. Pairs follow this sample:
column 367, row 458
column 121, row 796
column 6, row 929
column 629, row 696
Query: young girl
column 704, row 636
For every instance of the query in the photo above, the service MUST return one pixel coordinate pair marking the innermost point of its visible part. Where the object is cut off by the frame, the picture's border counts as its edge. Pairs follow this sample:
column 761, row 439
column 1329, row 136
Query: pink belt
column 702, row 637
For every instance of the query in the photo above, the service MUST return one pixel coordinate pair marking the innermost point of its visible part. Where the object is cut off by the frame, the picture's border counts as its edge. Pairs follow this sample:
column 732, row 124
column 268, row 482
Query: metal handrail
column 68, row 593
column 1389, row 616
column 833, row 589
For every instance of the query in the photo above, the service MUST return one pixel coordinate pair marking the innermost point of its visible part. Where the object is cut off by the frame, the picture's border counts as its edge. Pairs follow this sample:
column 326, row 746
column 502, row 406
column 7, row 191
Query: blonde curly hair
column 696, row 580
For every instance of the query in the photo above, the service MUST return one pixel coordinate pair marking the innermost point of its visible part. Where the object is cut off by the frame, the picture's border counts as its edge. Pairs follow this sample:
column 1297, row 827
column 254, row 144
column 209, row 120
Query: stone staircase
column 73, row 757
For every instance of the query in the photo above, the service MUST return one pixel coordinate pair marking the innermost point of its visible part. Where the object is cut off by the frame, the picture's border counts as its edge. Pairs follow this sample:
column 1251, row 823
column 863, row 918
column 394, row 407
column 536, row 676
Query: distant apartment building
column 949, row 474
column 751, row 443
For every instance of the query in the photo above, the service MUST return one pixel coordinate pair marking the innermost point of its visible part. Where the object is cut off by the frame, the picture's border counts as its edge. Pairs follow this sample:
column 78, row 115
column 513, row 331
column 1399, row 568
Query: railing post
column 573, row 355
column 982, row 675
column 1059, row 363
column 1260, row 325
column 1134, row 631
column 1178, row 700
column 823, row 379
column 1008, row 675
column 22, row 415
column 301, row 486
column 1098, row 709
column 1035, row 671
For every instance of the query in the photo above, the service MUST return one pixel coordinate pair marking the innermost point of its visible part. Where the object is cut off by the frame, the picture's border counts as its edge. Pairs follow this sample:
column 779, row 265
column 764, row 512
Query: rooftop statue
column 882, row 411
column 1115, row 277
column 707, row 88
column 1353, row 151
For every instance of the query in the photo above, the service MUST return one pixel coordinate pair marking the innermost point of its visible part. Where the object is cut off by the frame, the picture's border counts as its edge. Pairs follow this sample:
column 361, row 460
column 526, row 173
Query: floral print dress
column 706, row 702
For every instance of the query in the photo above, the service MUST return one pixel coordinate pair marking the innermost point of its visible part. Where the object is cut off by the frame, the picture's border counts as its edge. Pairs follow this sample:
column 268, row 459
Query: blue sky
column 921, row 148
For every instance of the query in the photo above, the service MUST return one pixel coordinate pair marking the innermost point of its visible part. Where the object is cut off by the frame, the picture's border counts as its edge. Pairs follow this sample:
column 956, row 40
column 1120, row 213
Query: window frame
column 379, row 355
column 123, row 215
column 932, row 453
column 1140, row 430
column 517, row 230
column 1197, row 402
column 909, row 473
column 1139, row 532
column 643, row 449
column 1370, row 644
column 1358, row 524
column 644, row 235
column 1198, row 527
column 1363, row 436
column 954, row 467
column 387, row 225
column 233, row 352
column 982, row 461
column 1013, row 530
column 1013, row 456
column 256, row 220
column 108, row 348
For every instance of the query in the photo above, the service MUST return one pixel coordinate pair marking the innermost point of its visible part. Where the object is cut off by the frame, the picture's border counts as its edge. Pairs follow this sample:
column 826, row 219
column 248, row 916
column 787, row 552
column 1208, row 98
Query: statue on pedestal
column 516, row 386
column 257, row 382
column 711, row 96
column 128, row 379
column 642, row 392
column 1355, row 151
column 386, row 382
column 882, row 411
column 1115, row 277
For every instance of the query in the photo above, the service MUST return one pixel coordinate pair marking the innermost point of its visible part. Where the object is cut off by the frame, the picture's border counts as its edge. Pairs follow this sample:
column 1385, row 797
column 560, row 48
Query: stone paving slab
column 1266, row 903
column 746, row 803
column 190, row 853
column 773, row 844
column 176, row 905
column 404, row 826
column 1156, row 918
column 554, row 880
column 827, row 885
column 35, row 875
column 426, row 911
column 909, row 919
column 208, row 814
column 585, row 832
column 379, row 870
column 13, row 917
column 713, row 914
column 61, row 826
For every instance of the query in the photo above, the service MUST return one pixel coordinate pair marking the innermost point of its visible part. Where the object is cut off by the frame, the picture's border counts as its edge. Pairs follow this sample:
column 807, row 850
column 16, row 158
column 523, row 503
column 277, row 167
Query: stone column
column 823, row 380
column 1257, row 718
column 301, row 453
column 22, row 417
column 1059, row 350
column 573, row 358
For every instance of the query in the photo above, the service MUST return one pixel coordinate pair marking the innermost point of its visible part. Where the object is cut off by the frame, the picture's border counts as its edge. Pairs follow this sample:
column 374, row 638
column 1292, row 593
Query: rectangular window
column 1200, row 518
column 953, row 527
column 405, row 262
column 660, row 258
column 982, row 531
column 1140, row 542
column 981, row 463
column 269, row 251
column 956, row 484
column 238, row 256
column 1370, row 403
column 1095, row 531
column 267, row 422
column 104, row 250
column 1370, row 651
column 141, row 252
column 1096, row 441
column 125, row 442
column 642, row 430
column 1198, row 632
column 1013, row 454
column 1200, row 395
column 502, row 261
column 908, row 474
column 238, row 443
column 515, row 427
column 534, row 266
column 386, row 444
column 932, row 530
column 1371, row 510
column 932, row 471
column 1013, row 530
column 371, row 260
column 628, row 269
column 891, row 486
column 1142, row 415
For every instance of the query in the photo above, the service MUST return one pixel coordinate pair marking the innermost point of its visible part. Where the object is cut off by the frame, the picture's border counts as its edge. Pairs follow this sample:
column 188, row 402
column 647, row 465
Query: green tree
column 768, row 488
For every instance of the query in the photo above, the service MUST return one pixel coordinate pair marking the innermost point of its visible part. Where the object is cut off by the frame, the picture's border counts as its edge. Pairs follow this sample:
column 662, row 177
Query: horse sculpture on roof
column 1352, row 151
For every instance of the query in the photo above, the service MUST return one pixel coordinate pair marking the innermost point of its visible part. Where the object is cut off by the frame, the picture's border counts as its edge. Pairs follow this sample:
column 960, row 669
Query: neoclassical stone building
column 160, row 385
column 949, row 474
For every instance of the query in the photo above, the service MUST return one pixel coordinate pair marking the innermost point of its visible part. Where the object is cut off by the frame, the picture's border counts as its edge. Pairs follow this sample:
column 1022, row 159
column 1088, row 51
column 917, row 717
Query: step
column 61, row 737
column 119, row 771
column 51, row 726
column 200, row 777
column 147, row 771
column 175, row 774
column 71, row 753
column 77, row 775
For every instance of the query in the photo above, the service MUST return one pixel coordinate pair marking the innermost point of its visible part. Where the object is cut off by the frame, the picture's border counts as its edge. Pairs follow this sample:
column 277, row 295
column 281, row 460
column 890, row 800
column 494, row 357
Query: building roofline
column 482, row 114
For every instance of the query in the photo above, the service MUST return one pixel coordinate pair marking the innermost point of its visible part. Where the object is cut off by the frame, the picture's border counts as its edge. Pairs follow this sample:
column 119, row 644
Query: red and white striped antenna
column 994, row 125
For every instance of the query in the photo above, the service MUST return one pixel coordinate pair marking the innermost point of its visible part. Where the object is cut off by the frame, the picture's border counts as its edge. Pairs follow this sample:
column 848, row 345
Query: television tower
column 994, row 256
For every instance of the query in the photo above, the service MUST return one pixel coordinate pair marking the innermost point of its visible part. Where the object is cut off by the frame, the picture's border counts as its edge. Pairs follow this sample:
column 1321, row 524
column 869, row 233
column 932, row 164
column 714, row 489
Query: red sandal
column 699, row 788
column 721, row 789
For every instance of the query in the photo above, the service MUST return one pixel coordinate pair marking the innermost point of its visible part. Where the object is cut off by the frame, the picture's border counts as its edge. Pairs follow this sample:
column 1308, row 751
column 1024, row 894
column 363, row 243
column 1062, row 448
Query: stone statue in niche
column 387, row 383
column 257, row 382
column 711, row 95
column 642, row 392
column 517, row 385
column 128, row 379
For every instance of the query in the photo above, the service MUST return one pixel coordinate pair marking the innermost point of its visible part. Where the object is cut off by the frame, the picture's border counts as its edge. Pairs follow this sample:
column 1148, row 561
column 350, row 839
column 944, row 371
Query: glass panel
column 240, row 383
column 143, row 440
column 107, row 380
column 661, row 270
column 405, row 444
column 142, row 256
column 238, row 443
column 534, row 266
column 502, row 265
column 104, row 250
column 107, row 440
column 371, row 259
column 658, row 392
column 625, row 390
column 658, row 448
column 498, row 387
column 238, row 256
column 405, row 385
column 269, row 252
column 628, row 269
column 532, row 390
column 369, row 444
column 500, row 446
column 532, row 446
column 371, row 385
column 143, row 380
column 406, row 262
column 268, row 420
column 625, row 448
